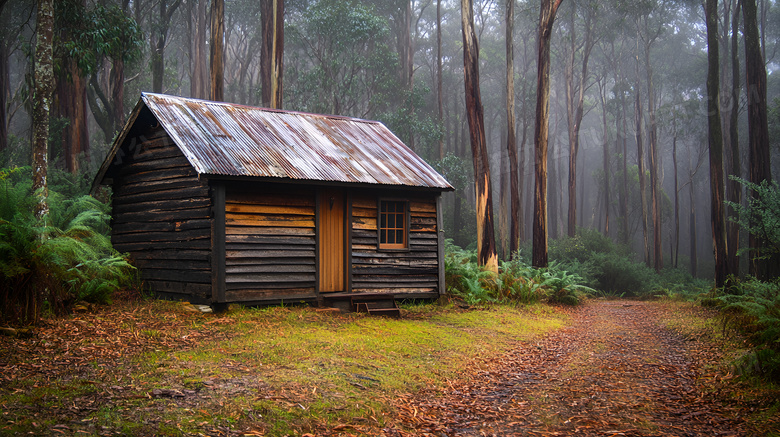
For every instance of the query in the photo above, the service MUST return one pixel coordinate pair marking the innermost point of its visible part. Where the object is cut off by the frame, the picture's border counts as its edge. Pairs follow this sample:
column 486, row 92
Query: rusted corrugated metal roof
column 234, row 140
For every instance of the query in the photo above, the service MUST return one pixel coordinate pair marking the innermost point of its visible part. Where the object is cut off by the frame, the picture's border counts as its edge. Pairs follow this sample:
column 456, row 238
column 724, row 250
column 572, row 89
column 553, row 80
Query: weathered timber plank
column 397, row 291
column 394, row 284
column 356, row 246
column 157, row 255
column 363, row 212
column 267, row 220
column 243, row 208
column 163, row 215
column 423, row 220
column 393, row 270
column 264, row 239
column 363, row 223
column 423, row 214
column 270, row 268
column 269, row 285
column 162, row 245
column 364, row 202
column 268, row 231
column 269, row 253
column 269, row 261
column 280, row 199
column 194, row 276
column 422, row 228
column 184, row 194
column 158, row 175
column 421, row 206
column 253, row 295
column 200, row 290
column 200, row 265
column 167, row 163
column 182, row 225
column 275, row 278
column 416, row 236
column 161, row 205
column 265, row 247
column 196, row 234
column 364, row 233
column 392, row 255
column 430, row 262
column 155, row 185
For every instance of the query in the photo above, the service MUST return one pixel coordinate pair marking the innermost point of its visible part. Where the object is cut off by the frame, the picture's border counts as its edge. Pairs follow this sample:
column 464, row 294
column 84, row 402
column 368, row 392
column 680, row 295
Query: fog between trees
column 626, row 78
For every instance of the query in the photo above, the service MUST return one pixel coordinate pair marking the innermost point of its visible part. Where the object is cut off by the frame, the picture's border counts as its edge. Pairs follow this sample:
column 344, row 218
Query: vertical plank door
column 331, row 232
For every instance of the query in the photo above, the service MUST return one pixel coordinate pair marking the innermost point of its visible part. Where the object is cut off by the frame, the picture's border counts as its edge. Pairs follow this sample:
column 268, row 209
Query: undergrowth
column 752, row 308
column 50, row 264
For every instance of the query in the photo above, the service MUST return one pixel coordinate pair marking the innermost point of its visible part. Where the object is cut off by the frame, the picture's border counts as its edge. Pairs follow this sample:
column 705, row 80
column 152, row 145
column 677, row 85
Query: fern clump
column 752, row 307
column 66, row 258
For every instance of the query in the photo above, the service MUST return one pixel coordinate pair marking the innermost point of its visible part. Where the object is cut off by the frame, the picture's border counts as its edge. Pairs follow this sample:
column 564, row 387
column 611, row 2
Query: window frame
column 392, row 247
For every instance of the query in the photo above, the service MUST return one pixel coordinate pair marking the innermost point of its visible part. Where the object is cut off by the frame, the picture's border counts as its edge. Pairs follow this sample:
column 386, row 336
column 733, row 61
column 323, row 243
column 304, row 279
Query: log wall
column 269, row 243
column 412, row 272
column 162, row 216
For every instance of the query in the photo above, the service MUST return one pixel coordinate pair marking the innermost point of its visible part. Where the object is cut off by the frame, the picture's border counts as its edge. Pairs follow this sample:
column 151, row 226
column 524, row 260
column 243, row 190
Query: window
column 392, row 224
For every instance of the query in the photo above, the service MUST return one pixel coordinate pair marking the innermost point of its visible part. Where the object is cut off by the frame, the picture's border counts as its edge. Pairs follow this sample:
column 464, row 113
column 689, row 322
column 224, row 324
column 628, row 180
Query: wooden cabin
column 218, row 203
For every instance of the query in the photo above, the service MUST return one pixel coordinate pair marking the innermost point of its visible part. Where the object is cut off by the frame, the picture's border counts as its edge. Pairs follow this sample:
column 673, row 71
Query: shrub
column 70, row 258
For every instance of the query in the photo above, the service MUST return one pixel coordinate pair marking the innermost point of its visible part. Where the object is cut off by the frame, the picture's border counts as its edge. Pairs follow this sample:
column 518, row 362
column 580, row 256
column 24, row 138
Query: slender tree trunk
column 216, row 53
column 271, row 67
column 439, row 80
column 117, row 79
column 42, row 96
column 546, row 19
column 486, row 242
column 511, row 136
column 718, row 217
column 4, row 91
column 676, row 195
column 692, row 232
column 199, row 83
column 605, row 163
column 624, row 190
column 758, row 129
column 158, row 39
column 733, row 189
column 641, row 160
column 575, row 110
column 658, row 258
column 70, row 103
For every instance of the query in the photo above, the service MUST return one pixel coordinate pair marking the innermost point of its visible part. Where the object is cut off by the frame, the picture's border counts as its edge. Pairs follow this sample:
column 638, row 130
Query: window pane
column 382, row 236
column 399, row 236
column 391, row 237
column 383, row 221
column 391, row 221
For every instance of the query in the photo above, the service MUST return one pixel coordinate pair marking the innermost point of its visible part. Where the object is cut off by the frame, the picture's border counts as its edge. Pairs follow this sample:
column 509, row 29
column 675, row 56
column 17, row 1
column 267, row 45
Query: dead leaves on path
column 613, row 372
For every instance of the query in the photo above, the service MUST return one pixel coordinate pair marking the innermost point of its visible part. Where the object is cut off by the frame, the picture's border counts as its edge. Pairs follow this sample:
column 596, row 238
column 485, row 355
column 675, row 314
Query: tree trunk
column 271, row 66
column 718, row 218
column 71, row 104
column 546, row 19
column 439, row 80
column 158, row 39
column 692, row 232
column 658, row 259
column 575, row 111
column 216, row 53
column 199, row 83
column 486, row 242
column 733, row 189
column 624, row 191
column 641, row 160
column 117, row 79
column 605, row 157
column 42, row 96
column 758, row 129
column 511, row 136
column 676, row 195
column 4, row 91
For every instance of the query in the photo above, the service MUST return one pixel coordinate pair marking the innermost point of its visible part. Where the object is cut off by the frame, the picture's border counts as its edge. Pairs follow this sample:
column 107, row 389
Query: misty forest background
column 633, row 72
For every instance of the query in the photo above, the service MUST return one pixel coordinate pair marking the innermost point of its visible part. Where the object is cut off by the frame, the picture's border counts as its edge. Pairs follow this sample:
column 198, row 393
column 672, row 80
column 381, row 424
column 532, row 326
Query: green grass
column 275, row 371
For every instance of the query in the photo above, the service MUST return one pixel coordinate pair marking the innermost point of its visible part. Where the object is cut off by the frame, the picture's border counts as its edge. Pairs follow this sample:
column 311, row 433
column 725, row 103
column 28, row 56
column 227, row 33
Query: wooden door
column 331, row 240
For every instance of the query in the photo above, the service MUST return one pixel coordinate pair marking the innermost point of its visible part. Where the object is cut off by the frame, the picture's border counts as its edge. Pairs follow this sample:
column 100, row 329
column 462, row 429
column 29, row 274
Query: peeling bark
column 486, row 243
column 216, row 51
column 272, row 12
column 44, row 86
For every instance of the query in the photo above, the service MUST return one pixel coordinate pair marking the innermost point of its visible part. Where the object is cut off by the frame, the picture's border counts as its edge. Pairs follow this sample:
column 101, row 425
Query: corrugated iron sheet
column 235, row 140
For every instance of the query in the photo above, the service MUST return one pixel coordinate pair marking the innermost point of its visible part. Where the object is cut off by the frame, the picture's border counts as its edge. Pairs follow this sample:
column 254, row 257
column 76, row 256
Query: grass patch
column 273, row 371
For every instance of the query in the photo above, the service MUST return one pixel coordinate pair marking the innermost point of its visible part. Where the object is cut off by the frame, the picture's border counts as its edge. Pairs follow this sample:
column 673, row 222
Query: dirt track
column 614, row 371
